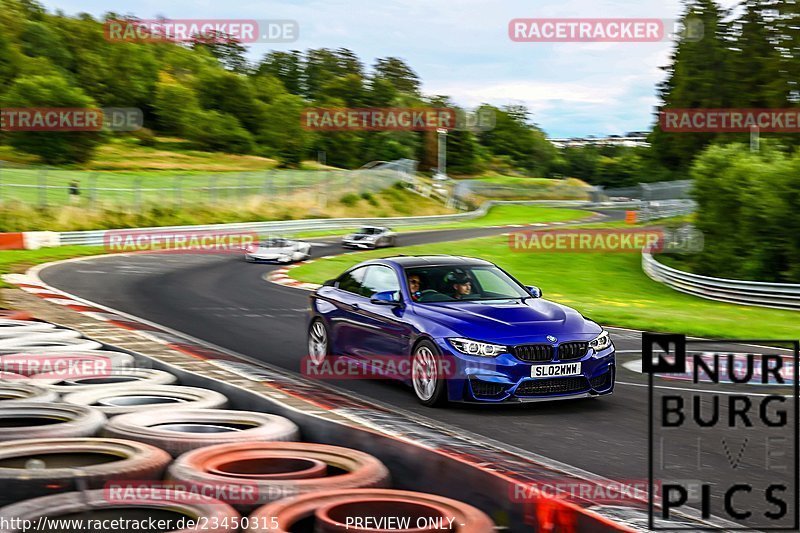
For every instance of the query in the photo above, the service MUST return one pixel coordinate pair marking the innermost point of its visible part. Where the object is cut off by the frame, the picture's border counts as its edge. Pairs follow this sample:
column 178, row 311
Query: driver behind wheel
column 415, row 286
column 459, row 282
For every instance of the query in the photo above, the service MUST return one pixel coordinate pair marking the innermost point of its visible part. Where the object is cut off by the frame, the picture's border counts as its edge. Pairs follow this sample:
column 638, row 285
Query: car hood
column 510, row 321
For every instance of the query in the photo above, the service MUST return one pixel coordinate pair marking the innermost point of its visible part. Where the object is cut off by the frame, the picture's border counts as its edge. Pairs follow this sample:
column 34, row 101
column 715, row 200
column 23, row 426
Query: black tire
column 56, row 465
column 438, row 392
column 214, row 516
column 322, row 354
column 45, row 420
column 183, row 430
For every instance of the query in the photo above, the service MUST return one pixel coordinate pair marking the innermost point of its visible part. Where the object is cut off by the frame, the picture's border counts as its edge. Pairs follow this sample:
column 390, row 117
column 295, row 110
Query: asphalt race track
column 225, row 301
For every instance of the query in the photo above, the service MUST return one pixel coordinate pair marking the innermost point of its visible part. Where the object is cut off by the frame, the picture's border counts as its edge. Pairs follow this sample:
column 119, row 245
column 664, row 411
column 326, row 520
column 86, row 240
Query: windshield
column 273, row 243
column 451, row 283
column 369, row 231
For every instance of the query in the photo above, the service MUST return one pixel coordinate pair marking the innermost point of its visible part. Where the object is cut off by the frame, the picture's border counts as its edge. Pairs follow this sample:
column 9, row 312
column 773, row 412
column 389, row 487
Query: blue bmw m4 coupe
column 467, row 330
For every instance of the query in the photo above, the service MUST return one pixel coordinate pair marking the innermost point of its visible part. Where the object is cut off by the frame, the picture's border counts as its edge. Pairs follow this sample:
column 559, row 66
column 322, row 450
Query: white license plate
column 548, row 371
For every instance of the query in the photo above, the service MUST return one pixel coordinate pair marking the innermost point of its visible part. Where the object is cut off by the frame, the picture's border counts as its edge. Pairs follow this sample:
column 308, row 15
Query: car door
column 344, row 321
column 380, row 329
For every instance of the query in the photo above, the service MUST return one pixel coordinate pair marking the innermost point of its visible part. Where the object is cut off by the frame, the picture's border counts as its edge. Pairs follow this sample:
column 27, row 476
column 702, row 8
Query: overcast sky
column 461, row 48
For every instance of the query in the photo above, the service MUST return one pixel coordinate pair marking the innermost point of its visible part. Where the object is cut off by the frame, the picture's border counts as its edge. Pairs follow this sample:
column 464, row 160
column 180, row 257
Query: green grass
column 18, row 261
column 609, row 288
column 497, row 216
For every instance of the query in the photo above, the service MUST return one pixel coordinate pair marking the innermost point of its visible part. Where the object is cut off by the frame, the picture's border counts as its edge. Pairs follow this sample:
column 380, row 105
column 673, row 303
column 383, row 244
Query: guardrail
column 95, row 237
column 775, row 295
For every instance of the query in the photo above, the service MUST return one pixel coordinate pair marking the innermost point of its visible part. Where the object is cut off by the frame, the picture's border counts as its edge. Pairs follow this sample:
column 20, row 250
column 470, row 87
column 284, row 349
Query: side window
column 380, row 279
column 352, row 281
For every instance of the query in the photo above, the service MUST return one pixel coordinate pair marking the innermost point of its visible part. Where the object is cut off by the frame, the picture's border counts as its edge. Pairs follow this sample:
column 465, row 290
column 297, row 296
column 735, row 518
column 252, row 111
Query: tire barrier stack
column 133, row 444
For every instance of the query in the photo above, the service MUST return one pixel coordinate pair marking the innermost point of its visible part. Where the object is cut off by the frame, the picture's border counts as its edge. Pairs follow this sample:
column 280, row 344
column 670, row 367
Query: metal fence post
column 176, row 190
column 138, row 193
column 92, row 189
column 42, row 187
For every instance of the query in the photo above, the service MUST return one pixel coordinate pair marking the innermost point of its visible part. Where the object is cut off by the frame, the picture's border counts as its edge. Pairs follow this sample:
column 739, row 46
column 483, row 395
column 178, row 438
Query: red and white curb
column 281, row 277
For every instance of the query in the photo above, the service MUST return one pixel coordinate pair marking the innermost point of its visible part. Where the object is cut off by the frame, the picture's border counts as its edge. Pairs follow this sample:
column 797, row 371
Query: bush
column 747, row 211
column 220, row 132
column 145, row 137
column 369, row 198
column 349, row 199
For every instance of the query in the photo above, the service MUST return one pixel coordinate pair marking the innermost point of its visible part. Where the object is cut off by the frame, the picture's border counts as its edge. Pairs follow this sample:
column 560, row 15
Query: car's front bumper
column 349, row 243
column 507, row 379
column 255, row 258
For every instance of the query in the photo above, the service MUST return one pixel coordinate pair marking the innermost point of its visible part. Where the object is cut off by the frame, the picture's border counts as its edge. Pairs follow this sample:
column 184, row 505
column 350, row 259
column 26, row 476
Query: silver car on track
column 370, row 237
column 277, row 250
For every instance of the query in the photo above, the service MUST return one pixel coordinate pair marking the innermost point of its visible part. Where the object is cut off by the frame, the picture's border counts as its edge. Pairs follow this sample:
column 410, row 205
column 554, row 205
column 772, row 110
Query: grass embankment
column 393, row 201
column 497, row 216
column 610, row 288
column 18, row 261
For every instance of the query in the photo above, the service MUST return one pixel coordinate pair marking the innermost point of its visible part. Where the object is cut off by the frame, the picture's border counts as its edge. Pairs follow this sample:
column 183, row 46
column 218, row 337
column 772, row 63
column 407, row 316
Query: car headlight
column 601, row 342
column 479, row 349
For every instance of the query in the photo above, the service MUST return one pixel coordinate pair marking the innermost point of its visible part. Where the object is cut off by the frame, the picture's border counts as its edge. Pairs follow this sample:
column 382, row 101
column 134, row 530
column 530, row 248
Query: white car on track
column 277, row 250
column 370, row 237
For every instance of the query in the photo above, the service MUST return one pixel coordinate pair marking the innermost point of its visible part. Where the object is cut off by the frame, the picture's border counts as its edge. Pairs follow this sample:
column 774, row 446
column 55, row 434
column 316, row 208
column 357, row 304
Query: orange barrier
column 630, row 217
column 12, row 241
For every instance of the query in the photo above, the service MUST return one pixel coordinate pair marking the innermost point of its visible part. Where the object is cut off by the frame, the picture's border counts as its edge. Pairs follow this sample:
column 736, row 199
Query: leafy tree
column 52, row 147
column 286, row 67
column 227, row 49
column 698, row 77
column 219, row 132
column 398, row 73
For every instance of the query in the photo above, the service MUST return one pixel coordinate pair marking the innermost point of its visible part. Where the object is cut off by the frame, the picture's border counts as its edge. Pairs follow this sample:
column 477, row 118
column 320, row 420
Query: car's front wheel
column 427, row 376
column 318, row 344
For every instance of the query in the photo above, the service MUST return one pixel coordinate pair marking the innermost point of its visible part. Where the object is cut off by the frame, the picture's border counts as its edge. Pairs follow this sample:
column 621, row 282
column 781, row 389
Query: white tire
column 154, row 397
column 45, row 420
column 182, row 430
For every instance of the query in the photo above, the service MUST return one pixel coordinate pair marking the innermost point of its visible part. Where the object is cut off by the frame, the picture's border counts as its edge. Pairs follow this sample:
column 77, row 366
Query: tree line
column 207, row 92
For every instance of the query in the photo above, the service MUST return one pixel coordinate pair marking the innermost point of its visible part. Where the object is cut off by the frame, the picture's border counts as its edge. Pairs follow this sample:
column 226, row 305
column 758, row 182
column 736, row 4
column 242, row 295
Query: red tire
column 279, row 469
column 418, row 512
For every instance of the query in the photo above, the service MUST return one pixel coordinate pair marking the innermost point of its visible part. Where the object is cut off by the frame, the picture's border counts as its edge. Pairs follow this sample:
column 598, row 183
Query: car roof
column 407, row 261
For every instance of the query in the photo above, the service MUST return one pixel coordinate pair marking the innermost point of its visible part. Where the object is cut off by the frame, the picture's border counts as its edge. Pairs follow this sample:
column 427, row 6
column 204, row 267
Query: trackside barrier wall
column 96, row 238
column 776, row 295
column 416, row 467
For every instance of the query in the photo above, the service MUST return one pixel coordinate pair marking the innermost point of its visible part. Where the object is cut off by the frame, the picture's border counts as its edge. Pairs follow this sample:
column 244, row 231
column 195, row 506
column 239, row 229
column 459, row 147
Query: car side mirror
column 385, row 298
column 329, row 283
column 535, row 291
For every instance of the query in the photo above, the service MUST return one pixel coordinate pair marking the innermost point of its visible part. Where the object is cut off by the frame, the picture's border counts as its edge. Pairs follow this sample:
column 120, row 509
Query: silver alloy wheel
column 317, row 343
column 424, row 373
